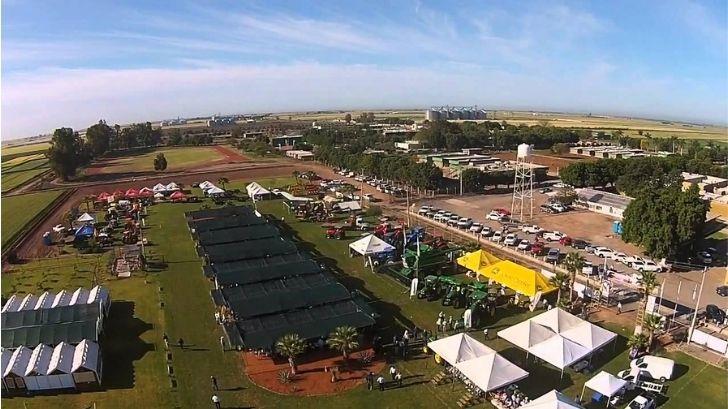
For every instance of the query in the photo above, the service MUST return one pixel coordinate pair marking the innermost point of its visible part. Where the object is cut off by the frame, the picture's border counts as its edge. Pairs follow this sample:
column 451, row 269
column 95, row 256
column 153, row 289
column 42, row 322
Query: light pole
column 697, row 305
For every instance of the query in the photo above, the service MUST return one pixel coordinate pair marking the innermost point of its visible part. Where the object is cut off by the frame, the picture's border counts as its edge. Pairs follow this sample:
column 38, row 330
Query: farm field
column 188, row 313
column 33, row 147
column 12, row 180
column 177, row 159
column 11, row 163
column 19, row 210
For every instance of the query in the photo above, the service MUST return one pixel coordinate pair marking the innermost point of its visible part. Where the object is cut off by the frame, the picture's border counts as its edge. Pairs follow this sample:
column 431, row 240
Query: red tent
column 178, row 196
column 132, row 193
column 146, row 193
column 118, row 194
column 102, row 196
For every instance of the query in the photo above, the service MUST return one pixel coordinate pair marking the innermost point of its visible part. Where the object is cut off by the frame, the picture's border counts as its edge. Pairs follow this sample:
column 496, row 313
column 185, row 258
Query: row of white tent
column 64, row 298
column 45, row 367
column 256, row 192
column 162, row 188
column 210, row 189
column 558, row 337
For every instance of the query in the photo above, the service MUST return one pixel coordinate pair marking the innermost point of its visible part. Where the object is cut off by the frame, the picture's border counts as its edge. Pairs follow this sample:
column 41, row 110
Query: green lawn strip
column 19, row 210
column 12, row 180
column 25, row 149
column 134, row 371
column 177, row 158
column 29, row 165
column 11, row 163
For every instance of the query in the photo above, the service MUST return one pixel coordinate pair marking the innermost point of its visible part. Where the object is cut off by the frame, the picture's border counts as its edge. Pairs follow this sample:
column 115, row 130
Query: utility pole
column 697, row 305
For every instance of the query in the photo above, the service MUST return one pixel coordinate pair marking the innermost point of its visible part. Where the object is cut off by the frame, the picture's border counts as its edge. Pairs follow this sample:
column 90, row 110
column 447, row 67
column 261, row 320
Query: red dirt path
column 230, row 155
column 311, row 379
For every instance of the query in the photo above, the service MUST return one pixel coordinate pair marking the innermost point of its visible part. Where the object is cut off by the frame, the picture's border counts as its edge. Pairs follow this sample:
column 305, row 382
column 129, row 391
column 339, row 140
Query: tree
column 560, row 281
column 637, row 341
column 344, row 340
column 347, row 118
column 160, row 162
column 567, row 196
column 652, row 323
column 222, row 181
column 648, row 283
column 573, row 262
column 473, row 179
column 66, row 152
column 99, row 137
column 560, row 148
column 291, row 346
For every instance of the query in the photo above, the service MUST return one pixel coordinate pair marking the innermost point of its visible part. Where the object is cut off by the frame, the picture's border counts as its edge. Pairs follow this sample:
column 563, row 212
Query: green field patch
column 177, row 159
column 19, row 210
column 12, row 180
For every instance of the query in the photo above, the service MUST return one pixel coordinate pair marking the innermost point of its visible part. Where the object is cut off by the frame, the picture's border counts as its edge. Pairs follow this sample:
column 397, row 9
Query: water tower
column 522, row 204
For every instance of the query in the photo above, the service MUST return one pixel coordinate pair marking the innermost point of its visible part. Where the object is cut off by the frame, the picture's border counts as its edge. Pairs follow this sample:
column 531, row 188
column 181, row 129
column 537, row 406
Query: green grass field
column 10, row 163
column 11, row 180
column 177, row 159
column 17, row 211
column 28, row 165
column 33, row 147
column 188, row 312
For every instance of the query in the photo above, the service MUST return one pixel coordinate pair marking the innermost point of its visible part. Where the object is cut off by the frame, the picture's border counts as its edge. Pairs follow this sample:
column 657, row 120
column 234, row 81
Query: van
column 654, row 366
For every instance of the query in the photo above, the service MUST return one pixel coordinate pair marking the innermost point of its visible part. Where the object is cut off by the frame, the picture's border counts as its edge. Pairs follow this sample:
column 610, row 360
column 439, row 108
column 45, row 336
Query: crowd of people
column 508, row 398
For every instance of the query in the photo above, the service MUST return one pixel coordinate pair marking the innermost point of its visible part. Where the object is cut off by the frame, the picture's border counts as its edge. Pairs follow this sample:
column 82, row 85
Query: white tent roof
column 254, row 188
column 526, row 334
column 459, row 347
column 39, row 360
column 85, row 218
column 215, row 191
column 158, row 195
column 62, row 358
column 28, row 303
column 6, row 357
column 559, row 351
column 12, row 304
column 18, row 362
column 97, row 294
column 62, row 299
column 159, row 188
column 552, row 400
column 370, row 244
column 86, row 356
column 145, row 189
column 45, row 300
column 172, row 186
column 605, row 383
column 491, row 371
column 557, row 320
column 80, row 296
column 589, row 335
column 206, row 184
column 350, row 205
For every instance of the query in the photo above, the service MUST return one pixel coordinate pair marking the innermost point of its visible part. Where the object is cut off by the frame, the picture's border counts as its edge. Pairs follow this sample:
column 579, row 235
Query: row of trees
column 102, row 138
column 400, row 168
column 666, row 221
column 476, row 180
column 342, row 339
column 502, row 136
column 177, row 138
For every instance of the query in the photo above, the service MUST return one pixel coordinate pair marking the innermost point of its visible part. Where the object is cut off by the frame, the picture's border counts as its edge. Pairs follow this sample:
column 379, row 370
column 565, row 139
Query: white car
column 524, row 245
column 557, row 207
column 511, row 240
column 646, row 265
column 631, row 259
column 642, row 402
column 618, row 256
column 603, row 252
column 553, row 236
column 475, row 228
column 531, row 228
column 494, row 216
column 423, row 210
column 465, row 223
column 497, row 237
column 654, row 367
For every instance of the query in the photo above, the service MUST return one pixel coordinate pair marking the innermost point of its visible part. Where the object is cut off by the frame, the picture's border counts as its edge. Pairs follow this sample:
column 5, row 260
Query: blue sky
column 69, row 63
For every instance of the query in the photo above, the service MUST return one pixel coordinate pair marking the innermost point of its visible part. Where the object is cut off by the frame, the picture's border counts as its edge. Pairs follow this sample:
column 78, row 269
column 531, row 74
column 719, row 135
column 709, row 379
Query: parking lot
column 591, row 227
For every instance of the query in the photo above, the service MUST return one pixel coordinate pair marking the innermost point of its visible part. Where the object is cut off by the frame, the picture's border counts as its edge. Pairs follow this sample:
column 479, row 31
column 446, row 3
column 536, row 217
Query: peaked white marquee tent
column 371, row 245
column 171, row 186
column 604, row 383
column 552, row 400
column 85, row 218
column 459, row 347
column 214, row 190
column 206, row 185
column 256, row 191
column 491, row 371
column 159, row 188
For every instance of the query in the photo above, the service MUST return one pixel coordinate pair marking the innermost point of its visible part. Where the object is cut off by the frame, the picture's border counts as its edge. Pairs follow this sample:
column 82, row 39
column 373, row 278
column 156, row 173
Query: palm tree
column 560, row 280
column 648, row 281
column 637, row 341
column 573, row 262
column 344, row 340
column 652, row 323
column 291, row 346
column 222, row 181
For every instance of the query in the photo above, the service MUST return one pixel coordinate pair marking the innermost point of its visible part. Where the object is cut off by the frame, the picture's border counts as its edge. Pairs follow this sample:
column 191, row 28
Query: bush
column 373, row 210
column 285, row 377
column 366, row 357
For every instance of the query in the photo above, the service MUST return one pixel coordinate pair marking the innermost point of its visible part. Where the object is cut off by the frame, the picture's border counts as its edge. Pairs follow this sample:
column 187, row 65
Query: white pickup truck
column 553, row 236
column 531, row 228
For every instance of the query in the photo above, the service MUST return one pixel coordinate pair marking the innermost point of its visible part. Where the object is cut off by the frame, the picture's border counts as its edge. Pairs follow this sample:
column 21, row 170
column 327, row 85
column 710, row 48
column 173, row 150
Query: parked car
column 531, row 228
column 643, row 401
column 553, row 255
column 619, row 256
column 631, row 259
column 579, row 244
column 603, row 252
column 646, row 265
column 705, row 257
column 545, row 190
column 475, row 228
column 546, row 208
column 722, row 290
column 537, row 249
column 565, row 241
column 715, row 314
column 557, row 207
column 511, row 240
column 553, row 235
column 423, row 210
column 486, row 232
column 453, row 221
column 496, row 237
column 654, row 367
column 494, row 216
column 590, row 248
column 465, row 223
column 524, row 245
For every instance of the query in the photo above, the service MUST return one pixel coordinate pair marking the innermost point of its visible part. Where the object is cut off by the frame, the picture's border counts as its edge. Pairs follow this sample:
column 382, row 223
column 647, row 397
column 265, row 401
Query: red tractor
column 334, row 232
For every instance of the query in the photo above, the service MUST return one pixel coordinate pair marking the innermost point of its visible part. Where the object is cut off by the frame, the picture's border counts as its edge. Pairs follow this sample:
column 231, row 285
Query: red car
column 537, row 249
column 502, row 211
column 566, row 241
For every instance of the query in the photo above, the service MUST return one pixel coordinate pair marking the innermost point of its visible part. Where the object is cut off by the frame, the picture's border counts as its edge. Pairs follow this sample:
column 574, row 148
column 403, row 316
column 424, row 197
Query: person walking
column 165, row 338
column 181, row 343
column 485, row 333
column 216, row 401
column 405, row 348
column 415, row 332
column 392, row 371
column 398, row 378
column 380, row 382
column 370, row 380
column 222, row 342
column 395, row 345
column 214, row 383
column 619, row 307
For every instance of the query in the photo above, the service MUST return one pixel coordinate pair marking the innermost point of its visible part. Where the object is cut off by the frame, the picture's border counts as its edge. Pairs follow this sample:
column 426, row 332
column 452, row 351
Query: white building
column 606, row 203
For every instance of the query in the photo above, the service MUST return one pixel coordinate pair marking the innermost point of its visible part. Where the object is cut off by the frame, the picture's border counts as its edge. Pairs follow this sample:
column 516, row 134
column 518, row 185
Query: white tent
column 145, row 190
column 205, row 185
column 80, row 296
column 604, row 383
column 45, row 301
column 589, row 335
column 158, row 195
column 557, row 320
column 350, row 205
column 214, row 190
column 28, row 303
column 61, row 365
column 6, row 357
column 526, row 334
column 159, row 188
column 18, row 362
column 552, row 400
column 100, row 294
column 459, row 347
column 85, row 218
column 559, row 351
column 12, row 304
column 370, row 245
column 86, row 362
column 62, row 299
column 256, row 191
column 491, row 371
column 172, row 186
column 38, row 365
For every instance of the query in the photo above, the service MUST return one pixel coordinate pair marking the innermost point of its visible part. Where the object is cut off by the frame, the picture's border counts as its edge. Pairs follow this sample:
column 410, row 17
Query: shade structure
column 605, row 383
column 18, row 362
column 86, row 356
column 171, row 186
column 146, row 192
column 352, row 205
column 371, row 245
column 159, row 195
column 62, row 359
column 103, row 196
column 557, row 337
column 514, row 276
column 119, row 194
column 206, row 185
column 39, row 360
column 178, row 195
column 552, row 400
column 85, row 231
column 214, row 190
column 85, row 218
column 255, row 190
column 159, row 188
column 491, row 371
column 131, row 193
column 476, row 260
column 459, row 347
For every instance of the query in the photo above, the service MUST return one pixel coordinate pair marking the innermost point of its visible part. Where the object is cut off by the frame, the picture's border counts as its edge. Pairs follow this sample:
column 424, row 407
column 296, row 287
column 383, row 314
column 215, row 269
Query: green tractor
column 435, row 287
